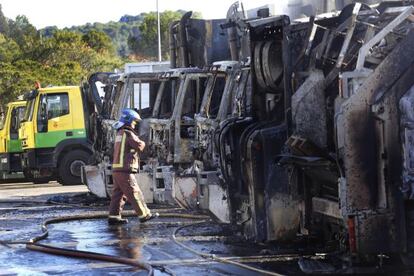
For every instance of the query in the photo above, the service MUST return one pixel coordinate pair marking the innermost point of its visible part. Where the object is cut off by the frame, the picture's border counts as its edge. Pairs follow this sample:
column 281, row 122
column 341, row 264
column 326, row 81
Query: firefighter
column 125, row 164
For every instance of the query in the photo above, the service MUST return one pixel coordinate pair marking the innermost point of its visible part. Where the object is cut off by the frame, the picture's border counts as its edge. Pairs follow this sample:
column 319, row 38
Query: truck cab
column 53, row 134
column 152, row 94
column 10, row 144
column 171, row 137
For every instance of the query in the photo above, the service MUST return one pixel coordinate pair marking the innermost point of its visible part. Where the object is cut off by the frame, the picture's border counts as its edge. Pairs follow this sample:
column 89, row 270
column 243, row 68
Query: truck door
column 54, row 122
column 2, row 131
column 17, row 114
column 188, row 104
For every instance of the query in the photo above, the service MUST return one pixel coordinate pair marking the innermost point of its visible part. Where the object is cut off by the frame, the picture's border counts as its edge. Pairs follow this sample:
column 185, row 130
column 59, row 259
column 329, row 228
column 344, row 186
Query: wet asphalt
column 152, row 242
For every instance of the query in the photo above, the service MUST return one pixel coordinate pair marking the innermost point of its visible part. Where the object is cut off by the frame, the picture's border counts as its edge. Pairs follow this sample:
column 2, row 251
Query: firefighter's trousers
column 126, row 188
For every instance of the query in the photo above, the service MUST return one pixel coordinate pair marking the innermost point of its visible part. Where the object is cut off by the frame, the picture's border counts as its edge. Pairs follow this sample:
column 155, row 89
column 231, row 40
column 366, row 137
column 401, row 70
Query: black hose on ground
column 88, row 255
column 216, row 258
column 33, row 245
column 91, row 255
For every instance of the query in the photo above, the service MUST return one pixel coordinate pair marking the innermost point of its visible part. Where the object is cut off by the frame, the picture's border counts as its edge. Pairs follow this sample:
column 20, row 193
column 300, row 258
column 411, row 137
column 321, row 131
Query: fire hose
column 33, row 244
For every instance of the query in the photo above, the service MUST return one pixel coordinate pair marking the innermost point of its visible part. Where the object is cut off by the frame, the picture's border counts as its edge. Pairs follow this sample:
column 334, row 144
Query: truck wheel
column 70, row 167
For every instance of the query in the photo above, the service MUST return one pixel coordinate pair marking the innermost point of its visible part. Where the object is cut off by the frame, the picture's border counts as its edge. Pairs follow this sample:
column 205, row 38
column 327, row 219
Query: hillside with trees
column 67, row 56
column 64, row 58
column 134, row 37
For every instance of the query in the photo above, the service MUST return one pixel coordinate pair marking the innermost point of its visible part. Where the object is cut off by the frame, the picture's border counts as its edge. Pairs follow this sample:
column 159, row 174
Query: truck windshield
column 3, row 119
column 29, row 110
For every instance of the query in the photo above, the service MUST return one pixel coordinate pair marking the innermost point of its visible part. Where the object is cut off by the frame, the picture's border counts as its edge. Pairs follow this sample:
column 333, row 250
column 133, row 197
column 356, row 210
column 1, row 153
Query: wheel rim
column 75, row 167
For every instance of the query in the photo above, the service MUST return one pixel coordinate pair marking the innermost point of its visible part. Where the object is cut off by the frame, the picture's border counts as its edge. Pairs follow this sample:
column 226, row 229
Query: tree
column 146, row 43
column 4, row 25
column 98, row 41
column 9, row 50
column 64, row 58
column 24, row 33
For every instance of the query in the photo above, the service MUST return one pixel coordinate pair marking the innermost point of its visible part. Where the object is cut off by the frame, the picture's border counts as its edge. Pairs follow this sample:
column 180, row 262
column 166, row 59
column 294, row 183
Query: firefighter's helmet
column 127, row 117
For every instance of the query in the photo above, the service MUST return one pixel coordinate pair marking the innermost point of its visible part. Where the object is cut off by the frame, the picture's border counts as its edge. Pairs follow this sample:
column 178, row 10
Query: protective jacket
column 126, row 150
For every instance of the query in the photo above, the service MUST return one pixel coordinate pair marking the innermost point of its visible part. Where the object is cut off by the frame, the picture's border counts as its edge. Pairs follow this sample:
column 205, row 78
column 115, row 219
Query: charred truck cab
column 153, row 95
column 182, row 145
column 54, row 134
column 171, row 136
column 194, row 181
column 10, row 144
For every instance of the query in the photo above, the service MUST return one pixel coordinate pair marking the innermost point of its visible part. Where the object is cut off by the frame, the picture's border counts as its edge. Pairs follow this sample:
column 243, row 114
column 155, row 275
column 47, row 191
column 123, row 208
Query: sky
column 67, row 13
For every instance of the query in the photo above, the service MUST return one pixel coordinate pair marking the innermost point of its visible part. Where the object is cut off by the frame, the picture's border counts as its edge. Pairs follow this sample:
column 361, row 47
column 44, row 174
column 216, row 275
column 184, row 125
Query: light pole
column 159, row 33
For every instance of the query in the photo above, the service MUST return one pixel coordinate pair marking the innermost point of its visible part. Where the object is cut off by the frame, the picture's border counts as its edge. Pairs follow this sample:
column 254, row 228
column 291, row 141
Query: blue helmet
column 127, row 117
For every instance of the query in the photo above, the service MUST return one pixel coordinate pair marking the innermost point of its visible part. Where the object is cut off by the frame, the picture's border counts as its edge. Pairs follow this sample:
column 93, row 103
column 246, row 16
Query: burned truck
column 250, row 140
column 349, row 149
column 172, row 139
column 322, row 150
column 312, row 136
column 193, row 43
column 133, row 90
column 182, row 145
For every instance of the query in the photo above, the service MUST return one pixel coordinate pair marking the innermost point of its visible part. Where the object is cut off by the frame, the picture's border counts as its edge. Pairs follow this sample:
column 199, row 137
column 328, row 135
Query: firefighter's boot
column 149, row 217
column 115, row 220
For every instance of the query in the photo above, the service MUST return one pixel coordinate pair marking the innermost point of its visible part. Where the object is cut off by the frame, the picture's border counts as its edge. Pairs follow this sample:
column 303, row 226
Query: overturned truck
column 324, row 149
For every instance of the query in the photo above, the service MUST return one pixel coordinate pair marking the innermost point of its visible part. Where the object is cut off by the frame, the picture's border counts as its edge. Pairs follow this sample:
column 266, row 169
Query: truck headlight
column 4, row 160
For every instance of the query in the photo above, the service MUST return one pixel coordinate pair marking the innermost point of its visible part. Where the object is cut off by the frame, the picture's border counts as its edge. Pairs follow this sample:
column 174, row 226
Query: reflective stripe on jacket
column 126, row 150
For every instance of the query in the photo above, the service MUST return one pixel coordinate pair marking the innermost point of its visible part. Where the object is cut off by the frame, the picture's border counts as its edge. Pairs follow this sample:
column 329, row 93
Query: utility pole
column 159, row 33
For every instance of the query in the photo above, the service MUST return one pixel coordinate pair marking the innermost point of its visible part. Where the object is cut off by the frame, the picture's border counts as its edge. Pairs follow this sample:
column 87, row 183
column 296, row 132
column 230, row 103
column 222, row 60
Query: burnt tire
column 70, row 167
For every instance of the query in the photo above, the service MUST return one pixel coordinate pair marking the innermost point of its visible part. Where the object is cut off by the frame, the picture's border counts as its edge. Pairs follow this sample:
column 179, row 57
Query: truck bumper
column 10, row 162
column 99, row 181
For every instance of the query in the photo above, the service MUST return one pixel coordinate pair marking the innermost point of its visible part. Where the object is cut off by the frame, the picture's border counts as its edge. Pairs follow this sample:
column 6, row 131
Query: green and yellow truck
column 10, row 144
column 54, row 134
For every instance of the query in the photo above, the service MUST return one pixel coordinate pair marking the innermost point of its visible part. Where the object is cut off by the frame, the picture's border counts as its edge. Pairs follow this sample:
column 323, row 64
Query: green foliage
column 98, row 41
column 4, row 25
column 133, row 36
column 65, row 57
column 118, row 32
column 9, row 49
column 62, row 58
column 146, row 44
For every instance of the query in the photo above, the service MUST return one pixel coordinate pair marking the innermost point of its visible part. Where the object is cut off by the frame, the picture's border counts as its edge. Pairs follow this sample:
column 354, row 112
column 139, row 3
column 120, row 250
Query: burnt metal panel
column 360, row 140
column 309, row 109
column 198, row 42
column 407, row 137
column 274, row 212
column 368, row 147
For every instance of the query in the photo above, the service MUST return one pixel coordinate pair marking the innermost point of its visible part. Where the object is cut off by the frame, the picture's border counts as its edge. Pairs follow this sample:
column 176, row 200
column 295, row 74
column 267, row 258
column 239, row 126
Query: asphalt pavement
column 24, row 206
